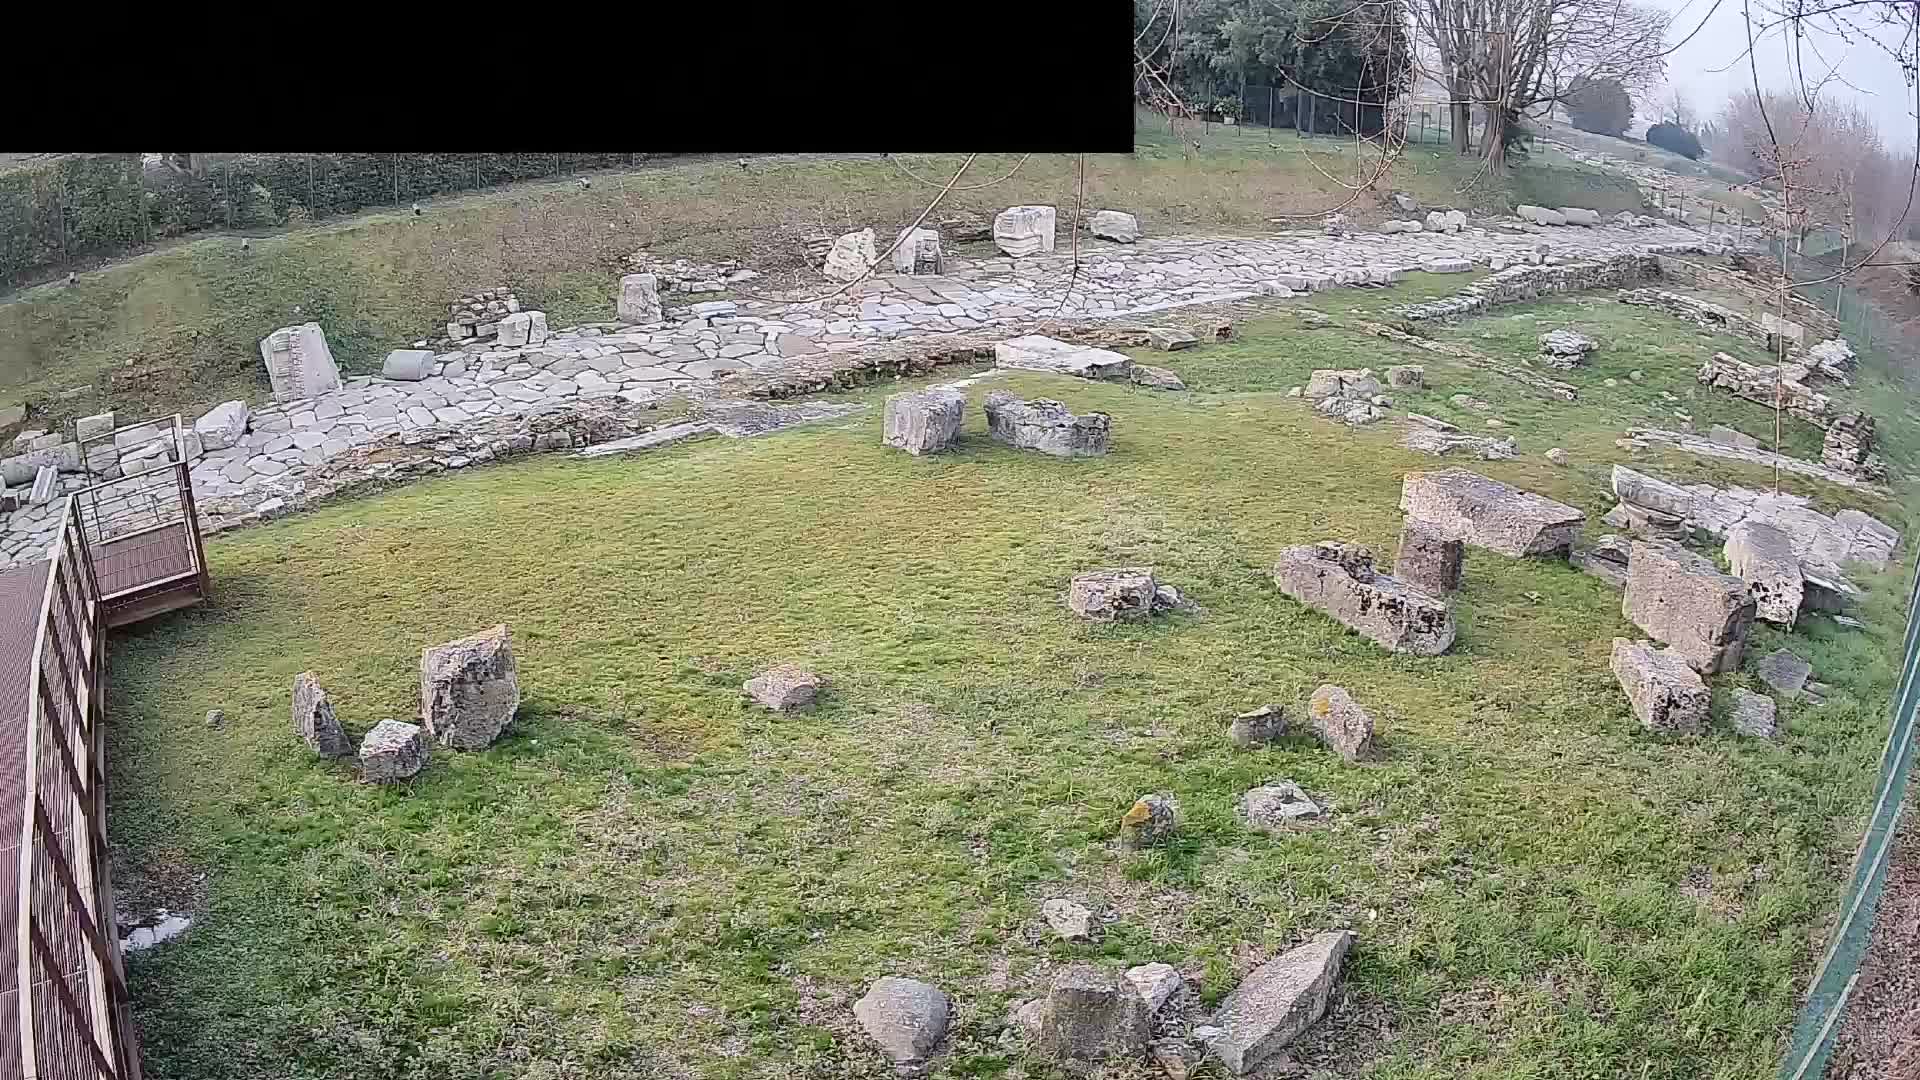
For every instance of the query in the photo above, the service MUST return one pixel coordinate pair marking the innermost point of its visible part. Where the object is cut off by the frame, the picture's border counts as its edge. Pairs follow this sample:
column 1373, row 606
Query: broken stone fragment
column 1785, row 672
column 784, row 688
column 393, row 751
column 1271, row 808
column 1278, row 1001
column 313, row 719
column 1755, row 715
column 1089, row 1014
column 1259, row 727
column 1150, row 821
column 1341, row 723
column 1666, row 693
column 469, row 689
column 906, row 1018
column 1339, row 580
column 1157, row 984
column 1071, row 921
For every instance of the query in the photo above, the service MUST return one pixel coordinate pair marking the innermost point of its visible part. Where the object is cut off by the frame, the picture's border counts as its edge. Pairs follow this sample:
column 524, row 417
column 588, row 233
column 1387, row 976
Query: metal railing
column 75, row 1017
column 154, row 497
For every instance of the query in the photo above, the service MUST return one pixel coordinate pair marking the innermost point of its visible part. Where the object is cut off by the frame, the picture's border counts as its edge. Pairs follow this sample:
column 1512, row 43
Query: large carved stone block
column 299, row 364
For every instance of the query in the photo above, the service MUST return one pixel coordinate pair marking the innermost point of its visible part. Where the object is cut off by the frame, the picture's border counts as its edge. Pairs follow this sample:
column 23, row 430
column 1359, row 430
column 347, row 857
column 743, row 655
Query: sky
column 1872, row 78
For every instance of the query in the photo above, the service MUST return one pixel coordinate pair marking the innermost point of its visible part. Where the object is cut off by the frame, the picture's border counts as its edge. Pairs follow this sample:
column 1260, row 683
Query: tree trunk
column 1462, row 121
column 1494, row 142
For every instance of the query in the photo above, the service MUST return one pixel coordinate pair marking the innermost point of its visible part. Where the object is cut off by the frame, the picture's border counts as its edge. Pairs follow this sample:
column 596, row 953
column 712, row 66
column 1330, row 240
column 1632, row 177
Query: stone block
column 1763, row 557
column 1125, row 592
column 1155, row 378
column 91, row 427
column 639, row 299
column 924, row 422
column 1407, row 377
column 1666, row 693
column 1428, row 559
column 1046, row 426
column 299, row 364
column 1683, row 601
column 1034, row 352
column 1021, row 231
column 1150, row 822
column 1170, row 339
column 408, row 365
column 469, row 689
column 391, row 752
column 523, row 329
column 1116, row 226
column 1339, row 580
column 1092, row 1015
column 1486, row 513
column 906, row 1018
column 1341, row 723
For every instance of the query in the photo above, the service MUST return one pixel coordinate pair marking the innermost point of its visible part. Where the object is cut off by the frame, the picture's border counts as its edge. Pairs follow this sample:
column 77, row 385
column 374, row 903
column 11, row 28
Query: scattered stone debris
column 1341, row 723
column 1607, row 559
column 1683, row 600
column 1486, row 513
column 1155, row 378
column 906, row 1018
column 1046, row 426
column 313, row 719
column 1565, row 348
column 1258, row 727
column 1277, row 1002
column 1785, row 672
column 393, row 751
column 478, row 316
column 784, row 688
column 924, row 422
column 1150, row 821
column 1071, row 921
column 1755, row 715
column 1428, row 559
column 1666, row 693
column 469, row 689
column 1272, row 807
column 1339, row 580
column 1425, row 440
column 1350, row 396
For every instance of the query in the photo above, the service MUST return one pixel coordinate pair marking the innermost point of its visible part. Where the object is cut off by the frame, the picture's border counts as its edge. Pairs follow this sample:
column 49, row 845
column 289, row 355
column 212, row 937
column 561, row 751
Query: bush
column 1677, row 139
column 1600, row 106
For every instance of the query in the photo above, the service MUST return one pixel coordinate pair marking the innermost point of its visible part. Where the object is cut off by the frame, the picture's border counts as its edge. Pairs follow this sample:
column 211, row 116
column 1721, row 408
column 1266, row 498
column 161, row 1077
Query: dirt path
column 1879, row 1039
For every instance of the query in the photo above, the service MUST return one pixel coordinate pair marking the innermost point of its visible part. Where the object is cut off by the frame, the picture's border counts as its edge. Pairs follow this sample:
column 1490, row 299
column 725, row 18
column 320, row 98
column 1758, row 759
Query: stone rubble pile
column 688, row 276
column 1353, row 397
column 1848, row 447
column 476, row 317
column 1046, row 426
column 1126, row 592
column 1565, row 348
column 1760, row 385
column 1339, row 580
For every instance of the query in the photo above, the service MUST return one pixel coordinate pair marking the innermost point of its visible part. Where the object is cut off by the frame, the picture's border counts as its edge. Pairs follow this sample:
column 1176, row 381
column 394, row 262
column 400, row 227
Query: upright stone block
column 1021, row 231
column 299, row 364
column 925, row 422
column 639, row 299
column 918, row 252
column 1428, row 559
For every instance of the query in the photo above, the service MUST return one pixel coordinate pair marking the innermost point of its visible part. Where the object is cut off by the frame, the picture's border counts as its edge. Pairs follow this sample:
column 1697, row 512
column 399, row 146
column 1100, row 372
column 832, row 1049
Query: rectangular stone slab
column 1486, row 513
column 1384, row 610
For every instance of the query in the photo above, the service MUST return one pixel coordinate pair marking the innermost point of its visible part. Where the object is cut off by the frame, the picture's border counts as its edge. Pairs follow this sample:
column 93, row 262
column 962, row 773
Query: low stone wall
column 861, row 364
column 1522, row 283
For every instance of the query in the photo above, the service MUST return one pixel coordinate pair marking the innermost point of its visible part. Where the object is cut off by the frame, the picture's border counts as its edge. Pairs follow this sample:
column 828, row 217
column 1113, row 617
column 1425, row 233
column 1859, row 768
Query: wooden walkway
column 21, row 590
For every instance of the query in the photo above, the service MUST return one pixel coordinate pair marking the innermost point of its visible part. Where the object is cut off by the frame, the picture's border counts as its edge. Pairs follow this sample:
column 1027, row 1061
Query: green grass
column 648, row 878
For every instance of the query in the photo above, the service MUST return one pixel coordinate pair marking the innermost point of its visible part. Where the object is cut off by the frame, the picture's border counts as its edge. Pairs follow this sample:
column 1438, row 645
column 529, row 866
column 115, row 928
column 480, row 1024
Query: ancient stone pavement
column 638, row 365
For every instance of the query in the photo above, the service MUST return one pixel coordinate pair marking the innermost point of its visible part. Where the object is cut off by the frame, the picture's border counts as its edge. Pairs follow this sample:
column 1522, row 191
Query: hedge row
column 91, row 205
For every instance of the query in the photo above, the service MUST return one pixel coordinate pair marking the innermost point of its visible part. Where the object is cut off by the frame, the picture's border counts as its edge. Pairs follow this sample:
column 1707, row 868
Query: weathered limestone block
column 1258, row 727
column 523, row 329
column 639, row 299
column 1758, row 384
column 1447, row 266
column 1487, row 513
column 1429, row 559
column 1046, row 426
column 1763, row 556
column 391, row 752
column 1785, row 671
column 1116, row 226
column 1755, row 715
column 299, row 364
column 1024, row 230
column 1685, row 602
column 1339, row 580
column 1091, row 1014
column 924, row 422
column 408, row 365
column 906, row 1018
column 1575, row 215
column 1170, row 339
column 1357, row 384
column 1034, row 352
column 917, row 252
column 469, row 689
column 1442, row 444
column 1125, row 592
column 1341, row 723
column 1666, row 693
column 1278, row 1001
column 1156, row 378
column 222, row 425
column 1071, row 921
column 313, row 719
column 784, row 688
column 851, row 256
column 1272, row 808
column 1407, row 377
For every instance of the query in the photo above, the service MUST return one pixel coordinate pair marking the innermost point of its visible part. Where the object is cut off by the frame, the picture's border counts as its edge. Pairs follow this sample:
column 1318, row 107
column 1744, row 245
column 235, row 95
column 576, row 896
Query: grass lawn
column 649, row 879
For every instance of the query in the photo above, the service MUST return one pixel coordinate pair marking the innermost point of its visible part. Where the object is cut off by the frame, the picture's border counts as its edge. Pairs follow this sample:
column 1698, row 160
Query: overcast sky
column 1696, row 67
